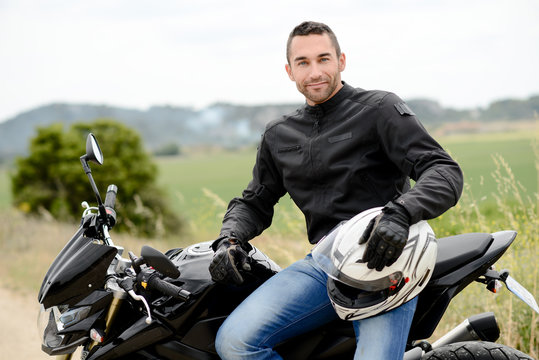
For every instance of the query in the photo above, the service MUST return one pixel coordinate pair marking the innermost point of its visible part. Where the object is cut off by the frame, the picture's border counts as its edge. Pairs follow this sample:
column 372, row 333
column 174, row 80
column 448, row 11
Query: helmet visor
column 344, row 263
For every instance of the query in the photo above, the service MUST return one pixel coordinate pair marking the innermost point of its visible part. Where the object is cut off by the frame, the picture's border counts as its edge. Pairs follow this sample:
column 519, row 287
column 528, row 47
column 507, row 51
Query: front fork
column 63, row 357
column 118, row 297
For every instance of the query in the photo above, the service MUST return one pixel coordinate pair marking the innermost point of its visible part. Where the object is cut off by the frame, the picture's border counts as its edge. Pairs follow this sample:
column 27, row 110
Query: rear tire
column 475, row 350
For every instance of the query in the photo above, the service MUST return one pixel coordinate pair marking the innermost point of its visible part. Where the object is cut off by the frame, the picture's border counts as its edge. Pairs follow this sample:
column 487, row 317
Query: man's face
column 315, row 67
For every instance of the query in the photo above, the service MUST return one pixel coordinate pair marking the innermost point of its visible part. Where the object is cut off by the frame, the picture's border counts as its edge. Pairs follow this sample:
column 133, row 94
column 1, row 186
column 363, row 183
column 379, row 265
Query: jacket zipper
column 316, row 126
column 316, row 132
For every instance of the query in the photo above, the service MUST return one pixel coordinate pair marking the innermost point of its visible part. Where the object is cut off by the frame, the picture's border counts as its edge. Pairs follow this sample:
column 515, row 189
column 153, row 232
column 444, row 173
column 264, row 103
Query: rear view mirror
column 159, row 262
column 93, row 151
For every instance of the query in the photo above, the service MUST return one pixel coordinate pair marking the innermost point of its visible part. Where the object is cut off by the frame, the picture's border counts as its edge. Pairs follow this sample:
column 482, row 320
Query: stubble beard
column 318, row 96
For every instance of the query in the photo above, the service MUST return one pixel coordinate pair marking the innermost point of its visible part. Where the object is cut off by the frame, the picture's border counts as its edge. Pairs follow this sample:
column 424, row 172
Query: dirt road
column 19, row 338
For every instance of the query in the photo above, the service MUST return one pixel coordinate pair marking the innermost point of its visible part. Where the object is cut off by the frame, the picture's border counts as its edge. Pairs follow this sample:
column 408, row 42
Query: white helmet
column 357, row 292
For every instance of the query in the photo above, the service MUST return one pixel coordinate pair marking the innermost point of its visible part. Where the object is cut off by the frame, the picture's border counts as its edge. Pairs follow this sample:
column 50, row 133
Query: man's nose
column 316, row 71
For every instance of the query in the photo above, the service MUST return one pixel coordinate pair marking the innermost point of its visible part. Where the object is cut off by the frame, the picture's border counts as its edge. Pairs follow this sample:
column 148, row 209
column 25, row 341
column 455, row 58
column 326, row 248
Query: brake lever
column 127, row 285
column 141, row 298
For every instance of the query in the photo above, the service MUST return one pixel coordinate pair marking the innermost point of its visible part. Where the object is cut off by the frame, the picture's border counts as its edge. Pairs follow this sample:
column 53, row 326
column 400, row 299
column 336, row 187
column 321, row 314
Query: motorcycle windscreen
column 79, row 269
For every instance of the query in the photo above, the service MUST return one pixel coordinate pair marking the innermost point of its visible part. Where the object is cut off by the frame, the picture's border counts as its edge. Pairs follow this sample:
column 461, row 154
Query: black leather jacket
column 353, row 152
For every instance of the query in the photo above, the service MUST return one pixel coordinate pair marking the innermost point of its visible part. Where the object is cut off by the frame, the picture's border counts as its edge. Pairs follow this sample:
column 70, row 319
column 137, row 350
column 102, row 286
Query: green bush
column 51, row 180
column 170, row 149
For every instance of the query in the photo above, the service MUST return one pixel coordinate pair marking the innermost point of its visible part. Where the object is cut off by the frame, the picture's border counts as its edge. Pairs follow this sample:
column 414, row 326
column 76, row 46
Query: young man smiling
column 346, row 150
column 315, row 70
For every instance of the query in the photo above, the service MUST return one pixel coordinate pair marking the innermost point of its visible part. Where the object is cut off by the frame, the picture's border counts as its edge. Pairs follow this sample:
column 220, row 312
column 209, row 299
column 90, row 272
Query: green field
column 475, row 154
column 196, row 183
column 200, row 187
column 188, row 179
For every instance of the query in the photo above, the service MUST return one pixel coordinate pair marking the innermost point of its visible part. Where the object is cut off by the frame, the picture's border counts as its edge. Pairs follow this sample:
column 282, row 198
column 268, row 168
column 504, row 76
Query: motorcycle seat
column 458, row 250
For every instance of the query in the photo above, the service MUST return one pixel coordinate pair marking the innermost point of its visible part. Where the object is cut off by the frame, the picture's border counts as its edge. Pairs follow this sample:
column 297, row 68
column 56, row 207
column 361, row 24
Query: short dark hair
column 312, row 27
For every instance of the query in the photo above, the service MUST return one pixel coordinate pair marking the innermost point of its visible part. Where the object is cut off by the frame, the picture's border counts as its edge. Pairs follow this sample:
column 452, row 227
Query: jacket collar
column 323, row 108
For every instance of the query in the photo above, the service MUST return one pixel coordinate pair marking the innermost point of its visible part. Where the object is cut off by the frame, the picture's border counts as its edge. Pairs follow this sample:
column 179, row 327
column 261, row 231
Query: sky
column 137, row 53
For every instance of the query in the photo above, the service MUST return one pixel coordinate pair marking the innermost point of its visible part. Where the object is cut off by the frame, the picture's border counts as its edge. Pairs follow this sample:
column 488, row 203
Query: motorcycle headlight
column 55, row 319
column 73, row 316
column 47, row 327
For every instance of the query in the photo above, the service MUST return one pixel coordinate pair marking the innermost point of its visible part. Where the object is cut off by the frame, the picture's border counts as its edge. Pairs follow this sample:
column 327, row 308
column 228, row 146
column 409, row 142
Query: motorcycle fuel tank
column 193, row 262
column 79, row 269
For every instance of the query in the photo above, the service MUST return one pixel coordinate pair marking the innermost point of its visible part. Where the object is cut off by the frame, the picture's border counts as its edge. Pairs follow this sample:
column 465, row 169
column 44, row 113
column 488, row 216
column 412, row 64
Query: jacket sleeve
column 438, row 177
column 247, row 216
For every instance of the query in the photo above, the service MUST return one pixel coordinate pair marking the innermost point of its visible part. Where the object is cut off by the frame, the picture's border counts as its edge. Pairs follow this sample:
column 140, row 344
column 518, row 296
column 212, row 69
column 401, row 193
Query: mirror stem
column 88, row 171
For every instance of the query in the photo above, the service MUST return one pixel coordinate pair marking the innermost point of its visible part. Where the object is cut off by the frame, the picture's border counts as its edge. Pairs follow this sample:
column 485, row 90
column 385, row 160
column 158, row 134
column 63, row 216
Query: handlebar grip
column 110, row 198
column 166, row 288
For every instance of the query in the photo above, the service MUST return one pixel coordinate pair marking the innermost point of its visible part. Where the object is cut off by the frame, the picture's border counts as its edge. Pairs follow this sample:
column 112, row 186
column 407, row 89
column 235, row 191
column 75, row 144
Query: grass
column 516, row 209
column 200, row 186
column 5, row 192
column 475, row 154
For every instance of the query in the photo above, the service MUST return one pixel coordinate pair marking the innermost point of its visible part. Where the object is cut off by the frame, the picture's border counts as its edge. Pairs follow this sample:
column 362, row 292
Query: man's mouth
column 317, row 84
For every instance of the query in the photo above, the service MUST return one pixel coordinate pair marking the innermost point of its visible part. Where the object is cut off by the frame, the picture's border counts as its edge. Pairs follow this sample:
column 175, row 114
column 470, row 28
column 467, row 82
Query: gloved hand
column 228, row 259
column 386, row 236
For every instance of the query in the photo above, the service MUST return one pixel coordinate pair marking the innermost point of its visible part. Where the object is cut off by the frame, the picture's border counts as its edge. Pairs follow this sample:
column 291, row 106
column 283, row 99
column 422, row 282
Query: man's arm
column 438, row 187
column 438, row 177
column 247, row 216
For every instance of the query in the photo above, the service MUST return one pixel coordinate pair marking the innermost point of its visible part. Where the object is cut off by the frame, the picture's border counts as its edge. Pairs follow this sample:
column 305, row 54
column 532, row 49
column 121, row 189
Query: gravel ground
column 19, row 337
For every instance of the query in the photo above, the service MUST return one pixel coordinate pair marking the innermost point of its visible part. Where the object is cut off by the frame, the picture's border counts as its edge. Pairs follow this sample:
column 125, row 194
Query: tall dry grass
column 29, row 245
column 516, row 209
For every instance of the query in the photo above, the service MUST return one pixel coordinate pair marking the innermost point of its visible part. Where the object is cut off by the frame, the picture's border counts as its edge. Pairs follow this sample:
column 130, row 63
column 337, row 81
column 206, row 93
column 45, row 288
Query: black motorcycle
column 166, row 306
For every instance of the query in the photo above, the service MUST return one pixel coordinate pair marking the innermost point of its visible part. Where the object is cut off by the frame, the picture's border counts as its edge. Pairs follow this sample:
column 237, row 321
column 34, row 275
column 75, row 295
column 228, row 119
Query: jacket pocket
column 289, row 148
column 342, row 137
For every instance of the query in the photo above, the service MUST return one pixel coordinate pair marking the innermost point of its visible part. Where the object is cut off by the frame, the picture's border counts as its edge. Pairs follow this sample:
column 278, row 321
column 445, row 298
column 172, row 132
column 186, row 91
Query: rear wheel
column 475, row 350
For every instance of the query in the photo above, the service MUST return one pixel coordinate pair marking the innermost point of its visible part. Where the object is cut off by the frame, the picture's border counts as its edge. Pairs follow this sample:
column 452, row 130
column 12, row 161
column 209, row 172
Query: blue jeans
column 295, row 301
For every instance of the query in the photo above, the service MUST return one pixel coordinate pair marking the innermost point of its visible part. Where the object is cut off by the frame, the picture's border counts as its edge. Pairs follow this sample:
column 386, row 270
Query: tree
column 51, row 177
column 170, row 149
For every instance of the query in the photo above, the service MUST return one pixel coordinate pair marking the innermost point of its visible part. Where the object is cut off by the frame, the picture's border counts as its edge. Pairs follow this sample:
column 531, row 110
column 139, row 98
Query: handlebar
column 166, row 288
column 110, row 198
column 110, row 203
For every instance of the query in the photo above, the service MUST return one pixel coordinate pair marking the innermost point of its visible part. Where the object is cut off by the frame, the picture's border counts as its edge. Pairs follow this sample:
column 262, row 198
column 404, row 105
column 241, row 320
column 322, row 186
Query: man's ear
column 289, row 72
column 342, row 62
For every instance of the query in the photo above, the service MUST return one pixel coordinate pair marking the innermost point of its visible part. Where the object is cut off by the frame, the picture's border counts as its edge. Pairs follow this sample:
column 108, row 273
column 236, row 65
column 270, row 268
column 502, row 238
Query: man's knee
column 222, row 343
column 227, row 344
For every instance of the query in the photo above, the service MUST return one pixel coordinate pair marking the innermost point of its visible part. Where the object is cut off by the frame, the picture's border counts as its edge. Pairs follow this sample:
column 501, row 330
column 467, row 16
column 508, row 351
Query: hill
column 221, row 124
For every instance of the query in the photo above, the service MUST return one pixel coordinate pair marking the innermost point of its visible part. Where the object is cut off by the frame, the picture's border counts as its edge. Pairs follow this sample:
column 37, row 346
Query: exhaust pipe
column 478, row 327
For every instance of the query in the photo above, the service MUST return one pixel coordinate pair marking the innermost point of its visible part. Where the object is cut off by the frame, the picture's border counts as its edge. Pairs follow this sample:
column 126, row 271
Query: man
column 346, row 150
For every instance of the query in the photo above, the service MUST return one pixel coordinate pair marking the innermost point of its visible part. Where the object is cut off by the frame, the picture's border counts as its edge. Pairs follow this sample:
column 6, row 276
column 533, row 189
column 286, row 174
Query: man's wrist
column 217, row 242
column 398, row 213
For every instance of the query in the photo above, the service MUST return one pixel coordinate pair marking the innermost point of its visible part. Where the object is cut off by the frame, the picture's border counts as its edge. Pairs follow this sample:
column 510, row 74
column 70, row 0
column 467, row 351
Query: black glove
column 386, row 236
column 228, row 259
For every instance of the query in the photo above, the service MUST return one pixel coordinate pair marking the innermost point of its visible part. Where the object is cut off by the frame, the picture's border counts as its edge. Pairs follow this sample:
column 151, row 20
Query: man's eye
column 302, row 63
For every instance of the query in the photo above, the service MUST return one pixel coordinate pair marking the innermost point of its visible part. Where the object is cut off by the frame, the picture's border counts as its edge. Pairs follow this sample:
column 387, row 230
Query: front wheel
column 475, row 350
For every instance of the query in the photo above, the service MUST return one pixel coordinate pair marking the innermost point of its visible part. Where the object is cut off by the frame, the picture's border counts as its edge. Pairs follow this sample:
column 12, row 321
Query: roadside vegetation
column 49, row 181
